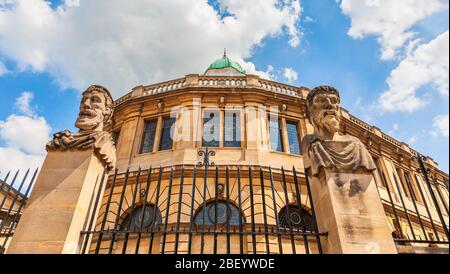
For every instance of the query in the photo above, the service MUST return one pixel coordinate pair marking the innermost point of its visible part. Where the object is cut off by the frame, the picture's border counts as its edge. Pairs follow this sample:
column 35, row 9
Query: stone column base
column 349, row 208
column 60, row 204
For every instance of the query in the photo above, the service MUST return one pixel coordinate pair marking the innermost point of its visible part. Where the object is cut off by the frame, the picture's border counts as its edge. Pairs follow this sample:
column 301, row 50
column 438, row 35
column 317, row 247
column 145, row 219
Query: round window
column 142, row 218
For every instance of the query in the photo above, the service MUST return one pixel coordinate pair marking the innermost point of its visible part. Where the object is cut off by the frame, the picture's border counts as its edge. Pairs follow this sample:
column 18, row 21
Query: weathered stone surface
column 402, row 249
column 347, row 203
column 326, row 147
column 60, row 204
column 96, row 109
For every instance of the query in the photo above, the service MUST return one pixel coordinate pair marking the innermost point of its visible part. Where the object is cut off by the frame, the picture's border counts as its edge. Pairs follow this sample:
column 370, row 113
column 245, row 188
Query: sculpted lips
column 329, row 113
column 87, row 114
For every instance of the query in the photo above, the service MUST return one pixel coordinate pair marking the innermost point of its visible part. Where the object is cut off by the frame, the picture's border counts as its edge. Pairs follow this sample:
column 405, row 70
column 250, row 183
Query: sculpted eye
column 95, row 99
column 319, row 100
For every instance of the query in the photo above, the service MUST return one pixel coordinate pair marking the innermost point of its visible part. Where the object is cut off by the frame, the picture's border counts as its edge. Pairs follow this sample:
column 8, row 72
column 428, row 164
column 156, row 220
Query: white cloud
column 440, row 126
column 3, row 69
column 394, row 130
column 120, row 46
column 13, row 159
column 309, row 20
column 427, row 65
column 23, row 103
column 290, row 74
column 389, row 20
column 270, row 73
column 26, row 133
column 72, row 3
column 412, row 140
column 24, row 138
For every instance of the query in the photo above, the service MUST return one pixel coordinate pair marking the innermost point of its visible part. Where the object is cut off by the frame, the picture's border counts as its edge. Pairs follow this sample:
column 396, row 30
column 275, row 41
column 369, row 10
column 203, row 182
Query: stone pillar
column 127, row 135
column 64, row 195
column 343, row 189
column 252, row 126
column 60, row 204
column 348, row 207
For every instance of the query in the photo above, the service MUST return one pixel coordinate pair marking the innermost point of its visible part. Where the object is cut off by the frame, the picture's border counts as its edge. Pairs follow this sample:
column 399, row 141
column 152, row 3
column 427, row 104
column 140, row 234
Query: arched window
column 295, row 219
column 142, row 218
column 224, row 214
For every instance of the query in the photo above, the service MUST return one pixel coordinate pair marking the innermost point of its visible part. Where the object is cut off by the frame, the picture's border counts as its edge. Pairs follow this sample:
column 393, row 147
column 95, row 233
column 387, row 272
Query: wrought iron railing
column 204, row 209
column 224, row 209
column 434, row 230
column 13, row 197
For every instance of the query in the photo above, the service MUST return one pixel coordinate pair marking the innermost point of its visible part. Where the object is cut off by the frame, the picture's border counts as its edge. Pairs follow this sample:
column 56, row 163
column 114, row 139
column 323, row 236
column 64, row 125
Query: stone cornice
column 400, row 148
column 248, row 81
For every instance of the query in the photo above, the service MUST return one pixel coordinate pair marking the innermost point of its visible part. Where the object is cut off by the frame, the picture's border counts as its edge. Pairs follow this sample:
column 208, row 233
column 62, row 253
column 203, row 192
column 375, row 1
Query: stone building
column 213, row 163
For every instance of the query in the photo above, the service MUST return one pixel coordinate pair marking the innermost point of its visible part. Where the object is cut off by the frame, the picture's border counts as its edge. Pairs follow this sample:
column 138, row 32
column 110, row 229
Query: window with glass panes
column 293, row 137
column 276, row 142
column 167, row 134
column 148, row 137
column 211, row 129
column 232, row 129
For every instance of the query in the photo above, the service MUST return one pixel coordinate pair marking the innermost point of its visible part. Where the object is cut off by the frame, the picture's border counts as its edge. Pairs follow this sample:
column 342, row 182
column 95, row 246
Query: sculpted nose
column 86, row 104
column 328, row 104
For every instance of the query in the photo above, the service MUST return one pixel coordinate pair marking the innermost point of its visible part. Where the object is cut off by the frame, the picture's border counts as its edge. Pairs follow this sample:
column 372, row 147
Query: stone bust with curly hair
column 326, row 147
column 96, row 109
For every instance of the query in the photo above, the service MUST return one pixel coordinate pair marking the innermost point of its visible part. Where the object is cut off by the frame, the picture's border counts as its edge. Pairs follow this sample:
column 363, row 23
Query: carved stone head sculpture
column 323, row 110
column 326, row 147
column 96, row 109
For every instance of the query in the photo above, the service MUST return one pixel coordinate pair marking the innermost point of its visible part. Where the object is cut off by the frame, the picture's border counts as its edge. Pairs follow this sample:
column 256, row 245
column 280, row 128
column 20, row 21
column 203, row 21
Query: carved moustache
column 325, row 113
column 328, row 119
column 87, row 113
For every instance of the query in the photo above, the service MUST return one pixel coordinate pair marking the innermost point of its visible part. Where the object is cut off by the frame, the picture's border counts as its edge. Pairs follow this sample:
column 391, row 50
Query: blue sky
column 61, row 49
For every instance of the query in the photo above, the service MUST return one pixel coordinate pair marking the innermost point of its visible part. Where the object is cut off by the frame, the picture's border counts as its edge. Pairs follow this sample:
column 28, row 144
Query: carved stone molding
column 160, row 105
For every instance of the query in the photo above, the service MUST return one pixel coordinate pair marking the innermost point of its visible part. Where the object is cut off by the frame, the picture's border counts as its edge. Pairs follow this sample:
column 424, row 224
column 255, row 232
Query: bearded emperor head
column 323, row 110
column 96, row 109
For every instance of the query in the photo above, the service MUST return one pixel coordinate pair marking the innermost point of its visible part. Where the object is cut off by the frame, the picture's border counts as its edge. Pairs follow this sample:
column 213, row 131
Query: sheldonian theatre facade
column 225, row 163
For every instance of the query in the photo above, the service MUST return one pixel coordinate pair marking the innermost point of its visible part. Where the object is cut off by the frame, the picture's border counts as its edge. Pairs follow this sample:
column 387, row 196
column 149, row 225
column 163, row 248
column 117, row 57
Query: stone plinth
column 60, row 204
column 349, row 208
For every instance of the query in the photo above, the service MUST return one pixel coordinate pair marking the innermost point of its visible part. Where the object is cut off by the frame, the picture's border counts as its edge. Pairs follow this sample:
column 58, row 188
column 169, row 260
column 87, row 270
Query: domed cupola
column 225, row 67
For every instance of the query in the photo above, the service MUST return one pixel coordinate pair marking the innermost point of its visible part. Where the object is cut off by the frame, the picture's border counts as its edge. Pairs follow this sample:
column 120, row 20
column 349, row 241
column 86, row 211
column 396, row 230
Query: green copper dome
column 224, row 63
